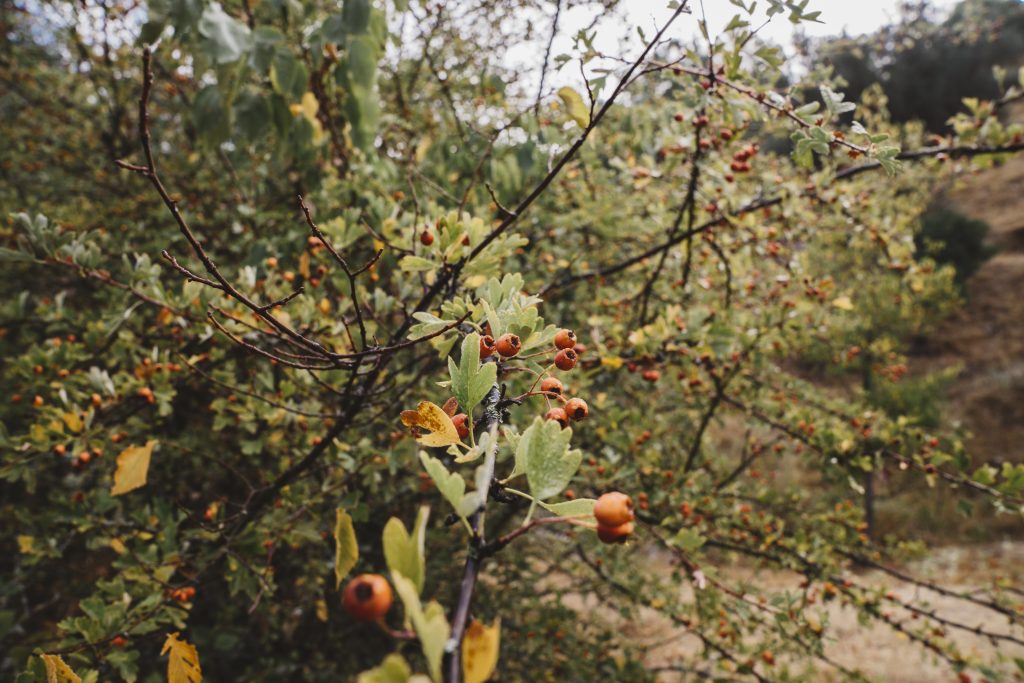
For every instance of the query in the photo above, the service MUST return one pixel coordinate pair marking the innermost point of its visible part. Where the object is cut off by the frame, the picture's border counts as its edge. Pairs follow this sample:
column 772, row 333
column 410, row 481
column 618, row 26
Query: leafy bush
column 253, row 423
column 952, row 238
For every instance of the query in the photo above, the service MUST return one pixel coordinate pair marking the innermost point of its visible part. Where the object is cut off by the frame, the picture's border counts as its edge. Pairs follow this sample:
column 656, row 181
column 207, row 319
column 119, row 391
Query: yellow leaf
column 117, row 545
column 321, row 609
column 73, row 422
column 304, row 265
column 132, row 468
column 57, row 670
column 346, row 550
column 431, row 418
column 613, row 362
column 183, row 663
column 422, row 147
column 480, row 651
column 25, row 544
column 843, row 303
column 574, row 106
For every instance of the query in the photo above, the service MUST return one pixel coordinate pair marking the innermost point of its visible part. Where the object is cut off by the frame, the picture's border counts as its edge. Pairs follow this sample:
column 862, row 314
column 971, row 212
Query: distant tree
column 925, row 66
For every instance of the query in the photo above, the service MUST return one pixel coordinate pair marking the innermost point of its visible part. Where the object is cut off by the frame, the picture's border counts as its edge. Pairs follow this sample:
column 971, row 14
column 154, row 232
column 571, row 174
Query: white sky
column 855, row 17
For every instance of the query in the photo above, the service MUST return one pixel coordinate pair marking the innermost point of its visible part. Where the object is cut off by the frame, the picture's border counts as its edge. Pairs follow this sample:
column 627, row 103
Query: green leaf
column 451, row 485
column 430, row 624
column 470, row 380
column 227, row 39
column 688, row 540
column 210, row 116
column 356, row 15
column 544, row 448
column 394, row 669
column 252, row 115
column 288, row 75
column 362, row 61
column 404, row 553
column 416, row 264
column 346, row 549
column 571, row 508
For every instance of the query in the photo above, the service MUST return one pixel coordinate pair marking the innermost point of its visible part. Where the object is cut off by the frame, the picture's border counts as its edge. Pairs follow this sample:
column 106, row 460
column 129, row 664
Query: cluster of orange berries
column 183, row 594
column 83, row 458
column 614, row 514
column 574, row 409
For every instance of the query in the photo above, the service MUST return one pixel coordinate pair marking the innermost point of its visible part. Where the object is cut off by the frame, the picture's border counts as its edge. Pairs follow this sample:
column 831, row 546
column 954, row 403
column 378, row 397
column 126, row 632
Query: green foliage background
column 732, row 289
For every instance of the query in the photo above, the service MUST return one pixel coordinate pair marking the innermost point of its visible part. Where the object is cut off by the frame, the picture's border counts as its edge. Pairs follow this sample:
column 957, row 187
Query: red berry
column 580, row 349
column 613, row 509
column 552, row 385
column 367, row 597
column 651, row 375
column 461, row 422
column 576, row 409
column 565, row 339
column 566, row 359
column 508, row 345
column 118, row 641
column 486, row 345
column 426, row 238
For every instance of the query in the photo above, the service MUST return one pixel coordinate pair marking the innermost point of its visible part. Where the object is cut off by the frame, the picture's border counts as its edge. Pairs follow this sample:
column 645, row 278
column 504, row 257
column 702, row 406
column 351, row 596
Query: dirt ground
column 987, row 335
column 877, row 651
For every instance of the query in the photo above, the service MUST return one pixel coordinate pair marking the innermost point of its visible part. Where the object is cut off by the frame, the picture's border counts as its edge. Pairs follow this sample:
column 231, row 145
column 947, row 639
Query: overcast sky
column 855, row 17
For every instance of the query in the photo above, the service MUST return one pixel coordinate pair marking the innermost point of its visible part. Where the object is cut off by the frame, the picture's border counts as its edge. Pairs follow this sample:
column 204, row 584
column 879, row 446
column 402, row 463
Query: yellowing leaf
column 132, row 468
column 183, row 663
column 25, row 544
column 309, row 108
column 433, row 419
column 346, row 550
column 613, row 362
column 480, row 651
column 73, row 422
column 574, row 106
column 843, row 303
column 117, row 545
column 321, row 609
column 57, row 671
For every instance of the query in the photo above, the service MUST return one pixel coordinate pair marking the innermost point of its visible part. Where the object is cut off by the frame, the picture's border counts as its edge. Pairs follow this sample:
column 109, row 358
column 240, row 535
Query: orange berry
column 577, row 409
column 566, row 359
column 426, row 239
column 552, row 385
column 486, row 346
column 565, row 339
column 97, row 400
column 367, row 597
column 271, row 262
column 614, row 534
column 558, row 415
column 508, row 345
column 613, row 509
column 118, row 641
column 38, row 401
column 651, row 375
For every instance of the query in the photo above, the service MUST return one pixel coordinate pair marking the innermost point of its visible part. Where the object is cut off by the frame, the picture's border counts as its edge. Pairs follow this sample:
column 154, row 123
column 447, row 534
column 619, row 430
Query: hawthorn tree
column 314, row 305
